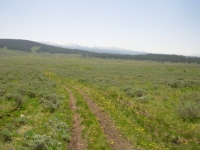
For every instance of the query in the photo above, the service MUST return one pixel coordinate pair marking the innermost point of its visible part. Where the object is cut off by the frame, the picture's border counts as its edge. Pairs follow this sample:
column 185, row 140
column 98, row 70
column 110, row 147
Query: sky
column 156, row 26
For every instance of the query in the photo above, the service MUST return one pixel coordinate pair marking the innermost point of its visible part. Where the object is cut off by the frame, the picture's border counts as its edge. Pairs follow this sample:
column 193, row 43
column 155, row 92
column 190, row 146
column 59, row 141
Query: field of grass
column 153, row 105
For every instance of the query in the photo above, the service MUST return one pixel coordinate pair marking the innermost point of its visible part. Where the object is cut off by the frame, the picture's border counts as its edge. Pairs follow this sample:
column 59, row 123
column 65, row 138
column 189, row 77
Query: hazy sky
column 159, row 26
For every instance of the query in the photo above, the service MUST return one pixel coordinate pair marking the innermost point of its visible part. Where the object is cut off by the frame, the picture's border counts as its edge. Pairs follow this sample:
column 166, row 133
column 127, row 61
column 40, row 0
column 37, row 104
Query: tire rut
column 117, row 142
column 76, row 141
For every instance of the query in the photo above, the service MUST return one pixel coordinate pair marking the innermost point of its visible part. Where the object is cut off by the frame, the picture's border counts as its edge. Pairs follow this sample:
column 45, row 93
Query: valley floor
column 56, row 101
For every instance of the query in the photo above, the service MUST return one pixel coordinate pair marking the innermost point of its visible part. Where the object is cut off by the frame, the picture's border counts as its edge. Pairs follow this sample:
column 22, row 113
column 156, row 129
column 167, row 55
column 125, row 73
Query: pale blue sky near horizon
column 156, row 26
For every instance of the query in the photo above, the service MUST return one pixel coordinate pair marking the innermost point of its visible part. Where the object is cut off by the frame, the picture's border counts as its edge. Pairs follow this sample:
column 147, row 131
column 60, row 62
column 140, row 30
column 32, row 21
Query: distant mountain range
column 100, row 49
column 195, row 55
column 93, row 52
column 97, row 49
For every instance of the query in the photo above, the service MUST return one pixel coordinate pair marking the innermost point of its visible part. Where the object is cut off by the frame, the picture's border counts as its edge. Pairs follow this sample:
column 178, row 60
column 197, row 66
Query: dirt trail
column 116, row 141
column 76, row 141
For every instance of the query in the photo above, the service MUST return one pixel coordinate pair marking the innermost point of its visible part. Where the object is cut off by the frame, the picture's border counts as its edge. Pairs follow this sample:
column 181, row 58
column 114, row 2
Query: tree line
column 25, row 45
column 151, row 57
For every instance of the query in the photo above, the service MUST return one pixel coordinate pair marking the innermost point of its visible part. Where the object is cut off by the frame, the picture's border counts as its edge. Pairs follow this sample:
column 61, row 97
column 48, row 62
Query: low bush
column 22, row 91
column 113, row 94
column 189, row 107
column 5, row 135
column 143, row 99
column 188, row 110
column 42, row 142
column 135, row 92
column 126, row 88
column 174, row 84
column 43, row 93
column 182, row 84
column 50, row 102
column 19, row 100
column 31, row 93
column 21, row 120
column 2, row 92
column 16, row 97
column 61, row 128
column 10, row 96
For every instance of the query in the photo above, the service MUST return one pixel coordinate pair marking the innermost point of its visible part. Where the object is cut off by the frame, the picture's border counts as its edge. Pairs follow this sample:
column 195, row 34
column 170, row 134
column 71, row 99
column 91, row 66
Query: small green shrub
column 22, row 91
column 139, row 92
column 50, row 102
column 42, row 142
column 10, row 96
column 126, row 88
column 113, row 94
column 174, row 84
column 188, row 110
column 2, row 92
column 61, row 128
column 28, row 134
column 21, row 121
column 6, row 135
column 182, row 84
column 19, row 100
column 65, row 136
column 53, row 84
column 43, row 93
column 189, row 107
column 83, row 80
column 31, row 93
column 143, row 99
column 135, row 92
column 130, row 93
column 17, row 97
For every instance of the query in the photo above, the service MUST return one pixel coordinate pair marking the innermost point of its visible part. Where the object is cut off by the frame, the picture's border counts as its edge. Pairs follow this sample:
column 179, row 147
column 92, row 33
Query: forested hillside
column 22, row 45
column 25, row 45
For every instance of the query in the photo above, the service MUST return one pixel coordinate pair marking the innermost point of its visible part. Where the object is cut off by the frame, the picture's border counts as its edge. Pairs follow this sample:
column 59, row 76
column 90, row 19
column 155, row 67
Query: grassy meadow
column 153, row 105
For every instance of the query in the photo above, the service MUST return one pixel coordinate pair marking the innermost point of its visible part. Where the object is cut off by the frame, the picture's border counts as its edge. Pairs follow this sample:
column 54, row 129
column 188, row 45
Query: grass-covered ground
column 153, row 105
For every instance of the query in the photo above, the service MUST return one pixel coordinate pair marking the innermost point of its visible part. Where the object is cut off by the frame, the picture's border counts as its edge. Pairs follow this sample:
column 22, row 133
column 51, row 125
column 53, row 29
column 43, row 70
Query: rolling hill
column 26, row 45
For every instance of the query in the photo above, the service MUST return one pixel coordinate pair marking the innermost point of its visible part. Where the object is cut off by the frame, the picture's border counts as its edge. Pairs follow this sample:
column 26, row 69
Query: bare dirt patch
column 76, row 140
column 117, row 142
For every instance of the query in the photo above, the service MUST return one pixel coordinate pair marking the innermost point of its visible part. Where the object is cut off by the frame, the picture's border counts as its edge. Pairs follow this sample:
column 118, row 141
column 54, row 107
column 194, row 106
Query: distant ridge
column 26, row 45
column 97, row 49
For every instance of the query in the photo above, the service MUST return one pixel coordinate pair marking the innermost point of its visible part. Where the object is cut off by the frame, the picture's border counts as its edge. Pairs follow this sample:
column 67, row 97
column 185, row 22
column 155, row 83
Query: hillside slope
column 25, row 45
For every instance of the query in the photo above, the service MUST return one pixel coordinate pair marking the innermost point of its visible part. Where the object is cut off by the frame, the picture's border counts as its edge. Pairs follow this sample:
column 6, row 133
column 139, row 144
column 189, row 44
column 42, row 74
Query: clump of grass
column 182, row 84
column 43, row 93
column 2, row 92
column 19, row 100
column 21, row 121
column 6, row 135
column 139, row 92
column 50, row 102
column 31, row 93
column 61, row 128
column 113, row 94
column 188, row 110
column 189, row 107
column 22, row 91
column 10, row 96
column 143, row 99
column 42, row 142
column 126, row 88
column 135, row 92
column 16, row 97
column 174, row 84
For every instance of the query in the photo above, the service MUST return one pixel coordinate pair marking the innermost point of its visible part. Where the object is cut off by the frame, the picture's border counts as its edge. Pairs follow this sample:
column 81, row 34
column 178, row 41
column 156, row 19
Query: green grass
column 25, row 123
column 148, row 101
column 92, row 131
column 35, row 48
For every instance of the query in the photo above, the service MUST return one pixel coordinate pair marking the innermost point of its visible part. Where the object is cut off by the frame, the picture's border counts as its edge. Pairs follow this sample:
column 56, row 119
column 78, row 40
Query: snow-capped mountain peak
column 98, row 49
